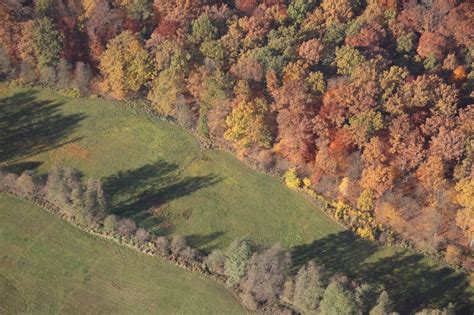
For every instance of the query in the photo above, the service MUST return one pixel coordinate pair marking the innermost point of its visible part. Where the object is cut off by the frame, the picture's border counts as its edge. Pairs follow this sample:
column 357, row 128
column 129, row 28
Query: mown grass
column 47, row 267
column 157, row 174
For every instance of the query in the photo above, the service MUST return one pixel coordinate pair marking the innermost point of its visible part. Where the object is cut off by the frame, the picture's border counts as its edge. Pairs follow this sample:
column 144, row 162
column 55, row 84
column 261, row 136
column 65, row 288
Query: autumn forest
column 367, row 103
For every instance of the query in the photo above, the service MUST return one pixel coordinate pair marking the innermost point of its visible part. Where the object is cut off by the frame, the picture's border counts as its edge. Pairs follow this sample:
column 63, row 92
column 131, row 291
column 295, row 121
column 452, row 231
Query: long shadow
column 20, row 167
column 140, row 193
column 202, row 241
column 410, row 281
column 29, row 126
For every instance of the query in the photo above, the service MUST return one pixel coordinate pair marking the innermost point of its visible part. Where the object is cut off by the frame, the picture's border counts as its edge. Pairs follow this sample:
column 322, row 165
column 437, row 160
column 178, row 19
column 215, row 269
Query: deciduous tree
column 266, row 274
column 247, row 124
column 125, row 66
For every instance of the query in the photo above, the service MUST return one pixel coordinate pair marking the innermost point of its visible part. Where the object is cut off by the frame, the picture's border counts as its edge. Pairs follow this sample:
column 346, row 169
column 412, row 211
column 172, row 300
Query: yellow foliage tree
column 246, row 124
column 365, row 202
column 465, row 197
column 344, row 186
column 88, row 6
column 125, row 66
column 25, row 44
column 378, row 179
column 431, row 174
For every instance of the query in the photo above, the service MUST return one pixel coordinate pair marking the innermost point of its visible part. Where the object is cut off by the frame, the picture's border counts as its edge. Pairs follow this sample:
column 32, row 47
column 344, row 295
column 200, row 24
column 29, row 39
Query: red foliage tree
column 246, row 6
column 370, row 37
column 432, row 43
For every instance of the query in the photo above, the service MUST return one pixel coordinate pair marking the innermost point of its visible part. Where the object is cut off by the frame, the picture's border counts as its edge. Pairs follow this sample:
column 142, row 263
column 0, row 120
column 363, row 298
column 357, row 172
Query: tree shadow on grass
column 29, row 126
column 410, row 281
column 204, row 242
column 139, row 193
column 20, row 167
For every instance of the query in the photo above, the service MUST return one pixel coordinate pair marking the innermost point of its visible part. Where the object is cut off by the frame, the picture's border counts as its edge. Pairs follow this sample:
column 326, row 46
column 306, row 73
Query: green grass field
column 148, row 163
column 157, row 174
column 47, row 267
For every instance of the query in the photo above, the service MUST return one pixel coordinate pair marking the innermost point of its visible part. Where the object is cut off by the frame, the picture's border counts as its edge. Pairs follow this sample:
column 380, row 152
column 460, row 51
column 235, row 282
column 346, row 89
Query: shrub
column 215, row 262
column 291, row 178
column 57, row 191
column 27, row 74
column 110, row 223
column 178, row 244
column 162, row 245
column 126, row 227
column 94, row 200
column 64, row 70
column 188, row 255
column 365, row 232
column 27, row 185
column 48, row 76
column 142, row 236
column 307, row 182
column 82, row 77
column 9, row 182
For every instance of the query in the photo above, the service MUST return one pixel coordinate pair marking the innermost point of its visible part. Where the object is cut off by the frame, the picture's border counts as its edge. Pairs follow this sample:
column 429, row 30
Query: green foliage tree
column 347, row 58
column 237, row 257
column 406, row 42
column 47, row 42
column 316, row 82
column 391, row 80
column 213, row 49
column 283, row 41
column 364, row 125
column 339, row 299
column 310, row 284
column 141, row 10
column 298, row 9
column 384, row 306
column 202, row 29
column 44, row 7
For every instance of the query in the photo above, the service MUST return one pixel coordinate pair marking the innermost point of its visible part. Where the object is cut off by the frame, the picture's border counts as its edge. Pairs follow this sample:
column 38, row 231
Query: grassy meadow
column 157, row 174
column 48, row 267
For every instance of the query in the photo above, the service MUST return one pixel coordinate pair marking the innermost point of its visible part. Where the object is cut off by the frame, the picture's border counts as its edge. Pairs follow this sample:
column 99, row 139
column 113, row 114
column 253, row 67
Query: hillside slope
column 157, row 174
